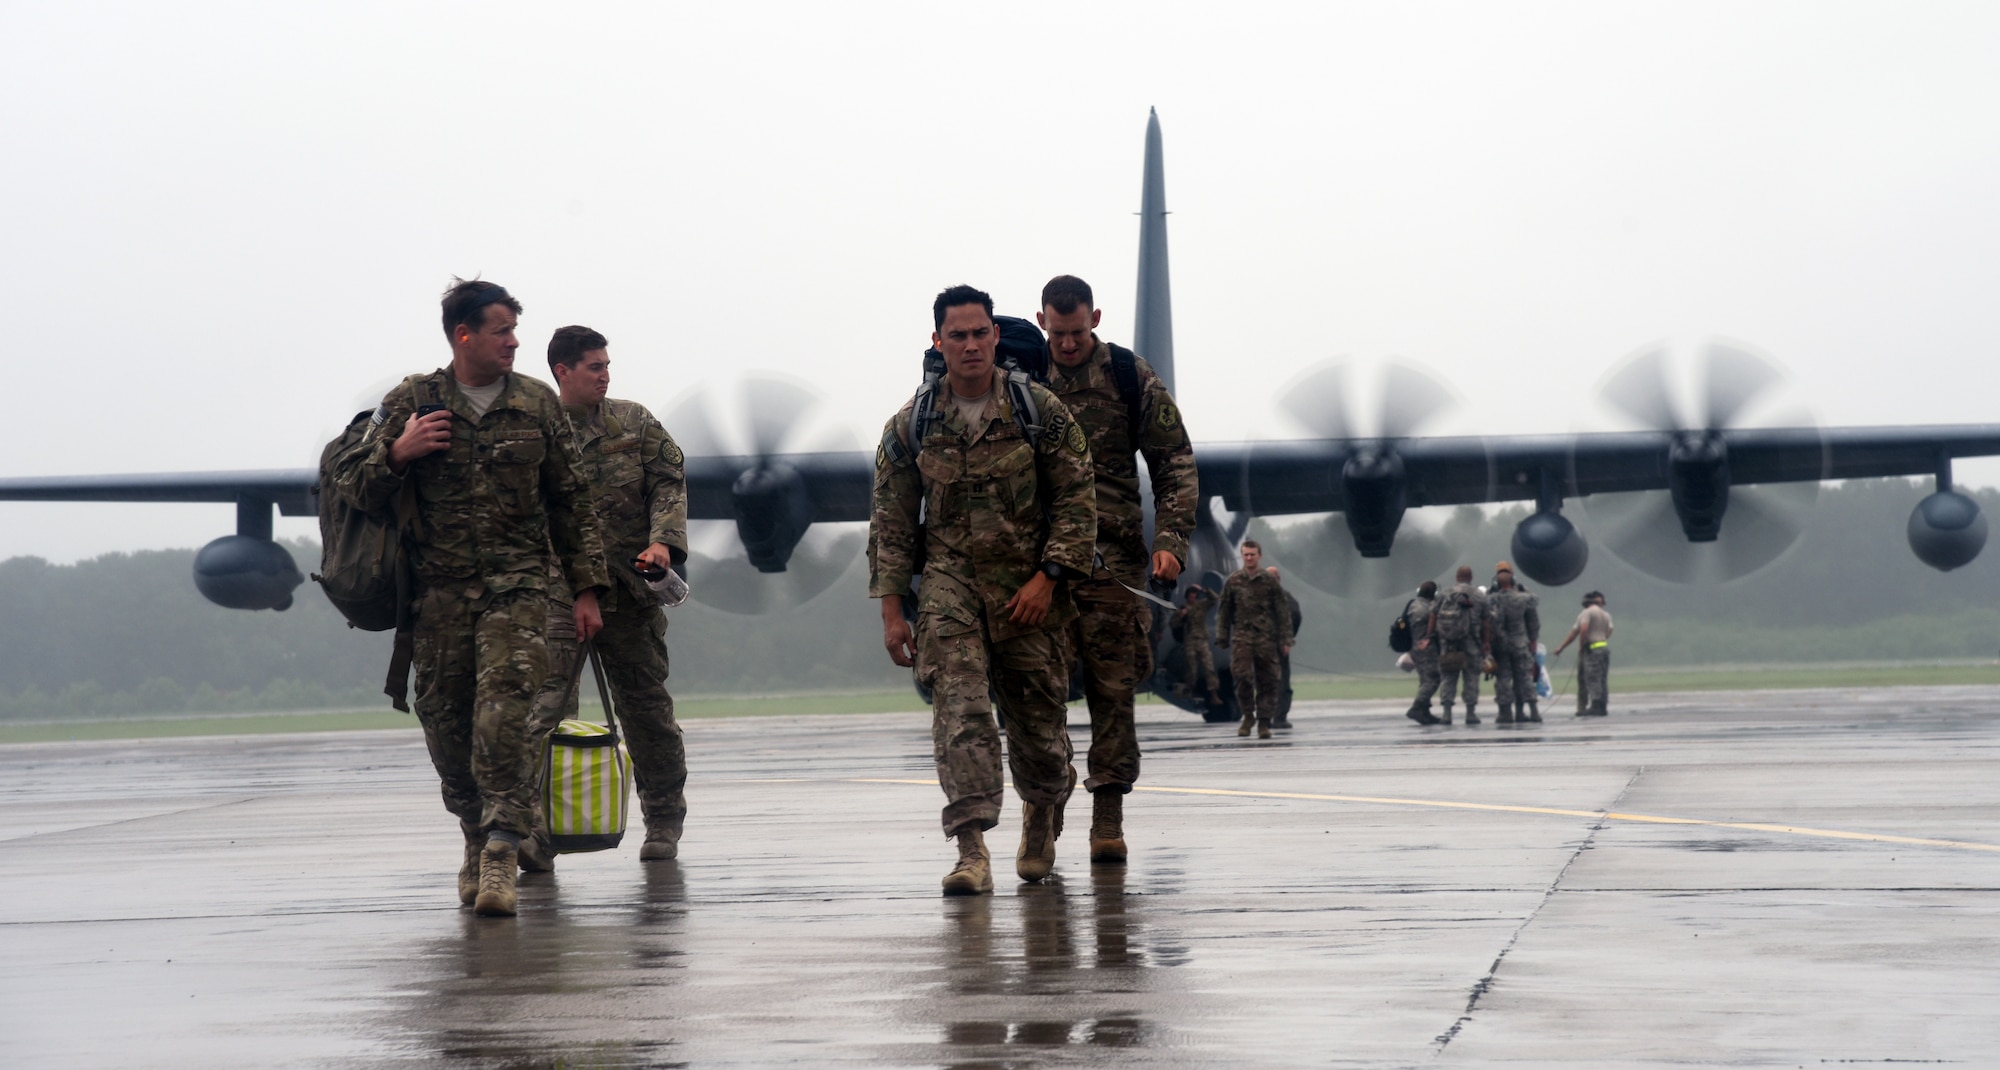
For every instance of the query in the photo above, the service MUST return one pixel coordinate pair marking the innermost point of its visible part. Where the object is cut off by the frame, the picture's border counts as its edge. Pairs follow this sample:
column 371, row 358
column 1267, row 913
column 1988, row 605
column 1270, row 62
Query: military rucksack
column 1454, row 615
column 364, row 557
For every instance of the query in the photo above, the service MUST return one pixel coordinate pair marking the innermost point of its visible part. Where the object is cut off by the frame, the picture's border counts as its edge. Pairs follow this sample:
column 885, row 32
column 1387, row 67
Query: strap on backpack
column 1125, row 372
column 406, row 527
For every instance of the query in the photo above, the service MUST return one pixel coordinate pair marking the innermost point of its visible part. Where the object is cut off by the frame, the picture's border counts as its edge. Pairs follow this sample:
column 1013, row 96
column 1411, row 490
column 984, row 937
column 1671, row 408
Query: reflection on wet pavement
column 1336, row 899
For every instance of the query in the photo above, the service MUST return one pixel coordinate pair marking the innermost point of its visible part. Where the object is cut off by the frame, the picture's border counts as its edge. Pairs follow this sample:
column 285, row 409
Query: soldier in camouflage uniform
column 997, row 516
column 1108, row 636
column 1193, row 619
column 634, row 468
column 1256, row 623
column 1424, row 651
column 1517, row 627
column 1462, row 631
column 498, row 489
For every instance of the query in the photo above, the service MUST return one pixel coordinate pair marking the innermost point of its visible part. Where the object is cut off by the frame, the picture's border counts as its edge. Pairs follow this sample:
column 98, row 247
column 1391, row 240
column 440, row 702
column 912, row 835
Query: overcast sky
column 227, row 225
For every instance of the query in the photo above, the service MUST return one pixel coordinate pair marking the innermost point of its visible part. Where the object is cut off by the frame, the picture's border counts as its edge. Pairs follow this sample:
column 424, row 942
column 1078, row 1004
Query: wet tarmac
column 1772, row 879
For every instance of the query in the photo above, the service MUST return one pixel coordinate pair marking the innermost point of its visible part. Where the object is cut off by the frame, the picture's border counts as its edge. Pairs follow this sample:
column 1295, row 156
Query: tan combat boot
column 497, row 865
column 1036, row 857
column 538, row 855
column 1107, row 828
column 974, row 872
column 468, row 871
column 1263, row 728
column 1249, row 722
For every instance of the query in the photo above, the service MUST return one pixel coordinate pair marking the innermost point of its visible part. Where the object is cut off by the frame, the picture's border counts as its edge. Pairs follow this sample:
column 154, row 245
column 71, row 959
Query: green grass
column 1308, row 687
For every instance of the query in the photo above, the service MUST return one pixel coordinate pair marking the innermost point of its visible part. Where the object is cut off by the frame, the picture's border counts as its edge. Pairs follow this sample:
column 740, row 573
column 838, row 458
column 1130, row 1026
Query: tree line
column 128, row 634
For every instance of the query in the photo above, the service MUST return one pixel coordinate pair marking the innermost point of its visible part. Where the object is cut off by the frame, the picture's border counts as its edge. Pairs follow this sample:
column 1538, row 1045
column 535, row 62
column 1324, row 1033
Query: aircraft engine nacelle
column 1698, row 480
column 1947, row 530
column 773, row 511
column 1548, row 549
column 246, row 572
column 1374, row 497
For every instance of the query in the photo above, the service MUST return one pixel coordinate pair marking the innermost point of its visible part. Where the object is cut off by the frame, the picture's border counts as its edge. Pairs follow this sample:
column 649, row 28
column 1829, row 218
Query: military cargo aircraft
column 1669, row 487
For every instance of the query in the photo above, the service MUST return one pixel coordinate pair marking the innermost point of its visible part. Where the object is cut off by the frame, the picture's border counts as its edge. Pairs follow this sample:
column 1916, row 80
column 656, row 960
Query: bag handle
column 603, row 692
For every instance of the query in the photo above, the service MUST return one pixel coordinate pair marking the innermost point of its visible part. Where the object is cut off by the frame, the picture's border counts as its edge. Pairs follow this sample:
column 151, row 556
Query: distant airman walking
column 1593, row 667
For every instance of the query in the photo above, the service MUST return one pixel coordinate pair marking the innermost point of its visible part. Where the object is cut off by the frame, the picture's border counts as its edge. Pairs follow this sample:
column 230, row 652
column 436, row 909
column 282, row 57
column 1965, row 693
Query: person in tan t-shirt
column 1593, row 668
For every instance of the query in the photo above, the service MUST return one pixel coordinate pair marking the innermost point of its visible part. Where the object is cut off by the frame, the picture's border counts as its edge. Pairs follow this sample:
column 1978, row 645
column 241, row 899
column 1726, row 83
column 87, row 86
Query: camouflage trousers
column 1513, row 676
column 1200, row 665
column 1428, row 677
column 1254, row 665
column 632, row 647
column 479, row 661
column 967, row 672
column 1108, row 640
column 1593, row 678
column 1465, row 678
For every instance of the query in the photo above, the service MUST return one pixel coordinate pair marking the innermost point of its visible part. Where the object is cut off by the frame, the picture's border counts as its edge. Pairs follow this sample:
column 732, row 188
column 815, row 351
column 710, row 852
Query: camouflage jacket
column 1254, row 606
column 982, row 517
column 1193, row 617
column 1418, row 617
column 1091, row 392
column 636, row 480
column 1517, row 621
column 492, row 504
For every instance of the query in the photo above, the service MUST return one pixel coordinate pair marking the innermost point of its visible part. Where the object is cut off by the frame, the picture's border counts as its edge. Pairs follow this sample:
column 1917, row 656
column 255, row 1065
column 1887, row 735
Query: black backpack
column 1022, row 353
column 364, row 557
column 1400, row 639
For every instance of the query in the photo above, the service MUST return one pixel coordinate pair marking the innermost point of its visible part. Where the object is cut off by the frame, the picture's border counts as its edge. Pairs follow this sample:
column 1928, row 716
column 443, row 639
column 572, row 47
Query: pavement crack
column 1479, row 990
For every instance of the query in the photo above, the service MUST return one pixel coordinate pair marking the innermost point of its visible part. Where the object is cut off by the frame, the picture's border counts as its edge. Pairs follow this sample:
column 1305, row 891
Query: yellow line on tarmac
column 1610, row 815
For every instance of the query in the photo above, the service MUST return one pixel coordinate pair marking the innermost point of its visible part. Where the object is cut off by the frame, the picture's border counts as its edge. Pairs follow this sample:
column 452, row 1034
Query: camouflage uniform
column 1472, row 648
column 1418, row 617
column 1195, row 645
column 490, row 507
column 1517, row 627
column 634, row 469
column 1108, row 636
column 994, row 509
column 1254, row 621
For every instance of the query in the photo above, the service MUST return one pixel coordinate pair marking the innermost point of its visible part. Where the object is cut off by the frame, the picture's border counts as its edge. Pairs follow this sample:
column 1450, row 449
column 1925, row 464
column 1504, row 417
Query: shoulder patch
column 1074, row 440
column 1169, row 417
column 670, row 453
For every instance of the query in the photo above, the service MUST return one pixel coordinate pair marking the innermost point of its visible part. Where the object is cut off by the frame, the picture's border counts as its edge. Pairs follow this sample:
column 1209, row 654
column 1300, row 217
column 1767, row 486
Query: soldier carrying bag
column 586, row 774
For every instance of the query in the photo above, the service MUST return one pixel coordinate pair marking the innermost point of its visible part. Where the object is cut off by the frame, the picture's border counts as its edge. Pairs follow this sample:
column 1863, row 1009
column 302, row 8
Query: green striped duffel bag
column 587, row 785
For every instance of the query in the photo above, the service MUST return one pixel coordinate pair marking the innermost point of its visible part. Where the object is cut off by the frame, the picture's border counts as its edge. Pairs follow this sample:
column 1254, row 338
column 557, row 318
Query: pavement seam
column 1485, row 983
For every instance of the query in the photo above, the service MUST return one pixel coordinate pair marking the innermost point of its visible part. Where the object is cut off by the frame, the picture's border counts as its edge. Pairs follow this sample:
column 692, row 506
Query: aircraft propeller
column 1682, row 535
column 771, row 556
column 1366, row 417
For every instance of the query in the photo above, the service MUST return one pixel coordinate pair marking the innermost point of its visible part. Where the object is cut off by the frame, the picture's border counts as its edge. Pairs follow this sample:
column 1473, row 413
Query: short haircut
column 954, row 296
column 1065, row 293
column 1427, row 588
column 1593, row 596
column 1464, row 573
column 1251, row 544
column 568, row 345
column 465, row 302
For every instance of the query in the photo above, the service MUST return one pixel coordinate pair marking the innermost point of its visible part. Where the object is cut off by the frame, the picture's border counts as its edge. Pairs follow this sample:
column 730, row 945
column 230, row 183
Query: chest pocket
column 517, row 472
column 1011, row 479
column 618, row 461
column 941, row 468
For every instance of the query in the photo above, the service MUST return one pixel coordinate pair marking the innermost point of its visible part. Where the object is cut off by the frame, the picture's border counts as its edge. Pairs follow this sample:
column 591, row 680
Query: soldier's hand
column 1285, row 651
column 1424, row 643
column 896, row 635
column 589, row 619
column 1031, row 603
column 1166, row 566
column 657, row 555
column 421, row 437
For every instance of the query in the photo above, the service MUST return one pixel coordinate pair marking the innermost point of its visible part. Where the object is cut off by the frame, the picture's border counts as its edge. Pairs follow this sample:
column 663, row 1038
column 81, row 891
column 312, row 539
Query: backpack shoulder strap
column 1026, row 413
column 1125, row 372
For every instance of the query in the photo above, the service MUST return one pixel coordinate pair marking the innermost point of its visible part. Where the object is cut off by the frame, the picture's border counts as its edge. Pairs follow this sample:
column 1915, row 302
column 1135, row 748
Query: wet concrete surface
column 1770, row 879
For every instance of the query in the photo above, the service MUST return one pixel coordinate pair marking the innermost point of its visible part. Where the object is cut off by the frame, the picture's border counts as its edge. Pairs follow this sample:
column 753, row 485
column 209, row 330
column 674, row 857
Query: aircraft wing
column 834, row 487
column 290, row 489
column 1308, row 475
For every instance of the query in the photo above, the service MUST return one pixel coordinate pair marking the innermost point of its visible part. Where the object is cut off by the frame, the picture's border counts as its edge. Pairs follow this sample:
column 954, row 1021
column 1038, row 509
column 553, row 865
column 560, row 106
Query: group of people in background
column 1466, row 632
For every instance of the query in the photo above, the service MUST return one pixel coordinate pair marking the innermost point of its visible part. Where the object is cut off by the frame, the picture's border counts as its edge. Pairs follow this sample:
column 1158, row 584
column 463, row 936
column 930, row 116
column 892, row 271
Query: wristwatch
column 1052, row 570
